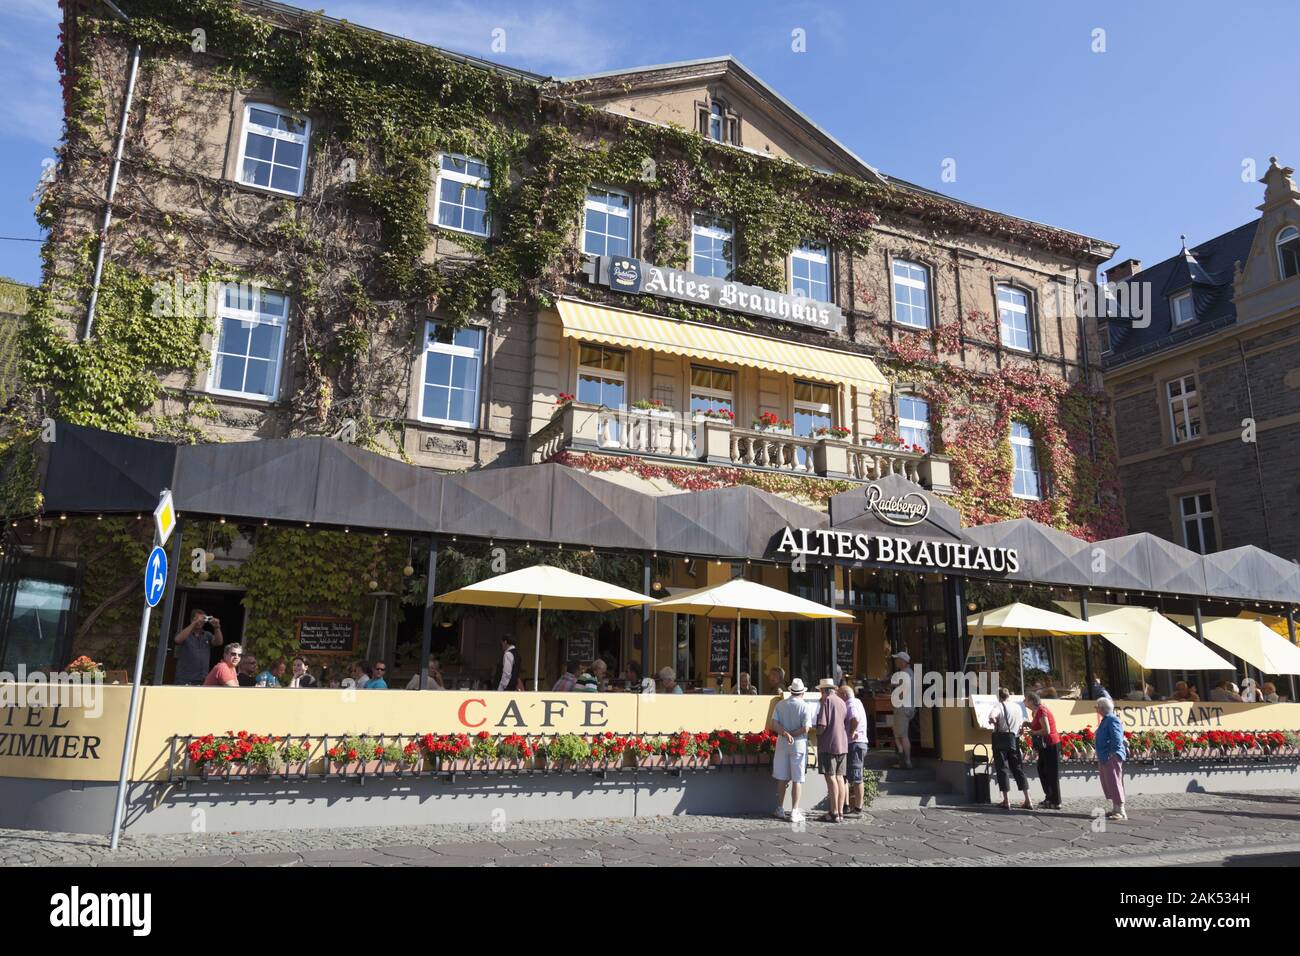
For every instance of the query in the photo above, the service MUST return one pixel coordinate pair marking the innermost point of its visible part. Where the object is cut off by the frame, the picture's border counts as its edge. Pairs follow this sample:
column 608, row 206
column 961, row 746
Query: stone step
column 892, row 801
column 899, row 775
column 913, row 787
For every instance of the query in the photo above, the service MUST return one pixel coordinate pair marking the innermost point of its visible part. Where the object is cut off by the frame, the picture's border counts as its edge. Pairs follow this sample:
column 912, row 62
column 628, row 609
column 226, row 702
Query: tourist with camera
column 194, row 645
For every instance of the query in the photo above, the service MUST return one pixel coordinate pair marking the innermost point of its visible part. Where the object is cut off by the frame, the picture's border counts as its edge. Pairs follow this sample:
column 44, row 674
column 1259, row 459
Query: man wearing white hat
column 905, row 701
column 790, row 762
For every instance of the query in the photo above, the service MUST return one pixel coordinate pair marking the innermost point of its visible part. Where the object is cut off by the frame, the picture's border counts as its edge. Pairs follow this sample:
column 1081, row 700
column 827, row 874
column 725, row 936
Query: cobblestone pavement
column 1231, row 829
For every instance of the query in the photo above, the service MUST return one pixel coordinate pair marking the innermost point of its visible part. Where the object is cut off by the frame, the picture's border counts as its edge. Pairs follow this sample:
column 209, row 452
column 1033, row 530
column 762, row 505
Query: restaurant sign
column 637, row 277
column 887, row 549
column 902, row 510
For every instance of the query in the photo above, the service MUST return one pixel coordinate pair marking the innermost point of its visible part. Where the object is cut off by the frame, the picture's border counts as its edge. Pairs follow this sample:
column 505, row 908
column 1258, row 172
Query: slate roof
column 1207, row 269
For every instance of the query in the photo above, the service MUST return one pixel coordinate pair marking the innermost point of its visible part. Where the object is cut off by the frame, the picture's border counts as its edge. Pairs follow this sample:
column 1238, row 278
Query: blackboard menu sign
column 721, row 634
column 846, row 647
column 582, row 646
column 326, row 635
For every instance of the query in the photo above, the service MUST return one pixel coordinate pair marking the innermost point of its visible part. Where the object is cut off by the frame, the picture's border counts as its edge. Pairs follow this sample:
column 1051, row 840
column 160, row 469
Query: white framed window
column 248, row 348
column 607, row 223
column 814, row 408
column 810, row 271
column 453, row 365
column 712, row 388
column 1013, row 318
column 1184, row 409
column 717, row 122
column 1197, row 512
column 1182, row 309
column 1288, row 252
column 911, row 294
column 713, row 246
column 1025, row 480
column 463, row 186
column 602, row 380
column 914, row 421
column 273, row 149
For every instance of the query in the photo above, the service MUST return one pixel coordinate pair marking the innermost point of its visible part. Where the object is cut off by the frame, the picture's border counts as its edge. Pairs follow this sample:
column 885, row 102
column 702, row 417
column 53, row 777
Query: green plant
column 264, row 754
column 568, row 748
column 292, row 752
column 359, row 749
column 870, row 787
column 484, row 746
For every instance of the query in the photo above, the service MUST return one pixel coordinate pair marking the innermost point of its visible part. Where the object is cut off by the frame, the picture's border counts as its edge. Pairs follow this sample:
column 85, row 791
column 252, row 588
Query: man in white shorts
column 904, row 681
column 790, row 723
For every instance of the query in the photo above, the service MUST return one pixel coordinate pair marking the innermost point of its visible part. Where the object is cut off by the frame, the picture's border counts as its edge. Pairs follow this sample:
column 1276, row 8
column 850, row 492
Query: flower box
column 224, row 771
column 354, row 768
column 296, row 768
column 775, row 430
column 670, row 762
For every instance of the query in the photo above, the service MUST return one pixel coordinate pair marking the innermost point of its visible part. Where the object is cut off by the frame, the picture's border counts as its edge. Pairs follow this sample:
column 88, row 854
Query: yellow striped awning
column 636, row 330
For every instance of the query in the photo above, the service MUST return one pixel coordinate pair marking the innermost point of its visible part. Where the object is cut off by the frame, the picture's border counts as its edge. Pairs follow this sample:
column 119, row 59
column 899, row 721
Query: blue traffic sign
column 155, row 576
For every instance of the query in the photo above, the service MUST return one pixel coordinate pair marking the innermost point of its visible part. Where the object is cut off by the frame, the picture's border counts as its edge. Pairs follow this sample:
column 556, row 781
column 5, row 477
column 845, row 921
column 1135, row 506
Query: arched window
column 1288, row 252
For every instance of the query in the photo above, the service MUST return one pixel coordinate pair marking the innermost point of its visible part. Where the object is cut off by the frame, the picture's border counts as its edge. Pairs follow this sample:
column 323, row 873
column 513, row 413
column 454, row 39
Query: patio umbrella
column 545, row 587
column 1254, row 642
column 1151, row 639
column 1020, row 620
column 740, row 598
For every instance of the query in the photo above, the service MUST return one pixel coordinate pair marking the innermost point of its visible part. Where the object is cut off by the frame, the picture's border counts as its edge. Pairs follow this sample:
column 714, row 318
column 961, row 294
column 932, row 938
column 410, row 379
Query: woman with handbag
column 1006, row 722
column 1047, row 742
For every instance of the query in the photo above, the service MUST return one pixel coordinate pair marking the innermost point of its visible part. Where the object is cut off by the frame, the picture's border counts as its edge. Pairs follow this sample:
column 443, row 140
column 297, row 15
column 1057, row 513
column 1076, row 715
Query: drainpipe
column 112, row 176
column 1259, row 463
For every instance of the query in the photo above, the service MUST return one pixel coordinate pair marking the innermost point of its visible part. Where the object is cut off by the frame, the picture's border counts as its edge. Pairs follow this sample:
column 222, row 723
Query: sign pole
column 155, row 581
column 120, row 805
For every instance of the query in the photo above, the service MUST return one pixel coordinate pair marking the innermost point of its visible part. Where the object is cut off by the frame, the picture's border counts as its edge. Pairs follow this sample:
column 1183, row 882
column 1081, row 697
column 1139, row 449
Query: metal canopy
column 326, row 482
column 1045, row 554
column 88, row 470
column 739, row 522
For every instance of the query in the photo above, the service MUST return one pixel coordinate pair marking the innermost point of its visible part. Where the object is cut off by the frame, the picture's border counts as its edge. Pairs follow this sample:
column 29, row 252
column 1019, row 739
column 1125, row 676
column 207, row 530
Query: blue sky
column 1134, row 145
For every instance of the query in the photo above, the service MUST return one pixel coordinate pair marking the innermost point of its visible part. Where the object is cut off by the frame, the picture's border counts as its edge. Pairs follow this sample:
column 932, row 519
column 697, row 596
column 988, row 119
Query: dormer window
column 718, row 122
column 1288, row 252
column 1180, row 306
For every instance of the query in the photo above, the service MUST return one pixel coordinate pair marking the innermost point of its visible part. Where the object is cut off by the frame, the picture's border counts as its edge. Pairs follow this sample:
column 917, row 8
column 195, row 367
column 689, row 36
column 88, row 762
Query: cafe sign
column 638, row 277
column 887, row 549
column 902, row 510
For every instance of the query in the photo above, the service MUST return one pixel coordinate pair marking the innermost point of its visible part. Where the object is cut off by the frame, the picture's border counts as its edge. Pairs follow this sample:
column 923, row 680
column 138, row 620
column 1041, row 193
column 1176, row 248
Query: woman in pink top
column 1047, row 741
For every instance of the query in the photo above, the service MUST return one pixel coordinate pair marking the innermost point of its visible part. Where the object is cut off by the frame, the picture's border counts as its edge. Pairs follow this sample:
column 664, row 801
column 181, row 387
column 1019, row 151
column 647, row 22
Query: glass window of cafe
column 712, row 389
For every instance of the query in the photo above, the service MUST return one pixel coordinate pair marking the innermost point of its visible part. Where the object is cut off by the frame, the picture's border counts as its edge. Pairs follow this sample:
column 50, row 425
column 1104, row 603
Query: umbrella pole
column 1020, row 652
column 537, row 646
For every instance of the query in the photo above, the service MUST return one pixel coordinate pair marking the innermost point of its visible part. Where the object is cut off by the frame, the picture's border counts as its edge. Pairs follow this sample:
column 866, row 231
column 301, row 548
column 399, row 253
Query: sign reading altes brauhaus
column 887, row 549
column 636, row 277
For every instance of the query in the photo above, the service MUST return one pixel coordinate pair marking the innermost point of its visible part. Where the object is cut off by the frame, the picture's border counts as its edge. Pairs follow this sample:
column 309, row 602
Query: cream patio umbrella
column 740, row 598
column 1254, row 642
column 1020, row 620
column 545, row 587
column 1151, row 639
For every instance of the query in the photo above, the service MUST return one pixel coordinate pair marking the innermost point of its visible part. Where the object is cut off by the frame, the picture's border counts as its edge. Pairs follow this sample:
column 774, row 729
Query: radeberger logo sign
column 626, row 274
column 902, row 510
column 886, row 549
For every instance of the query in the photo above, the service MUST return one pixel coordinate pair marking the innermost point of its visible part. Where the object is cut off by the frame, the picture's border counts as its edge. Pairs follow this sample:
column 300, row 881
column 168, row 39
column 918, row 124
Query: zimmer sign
column 636, row 277
column 887, row 549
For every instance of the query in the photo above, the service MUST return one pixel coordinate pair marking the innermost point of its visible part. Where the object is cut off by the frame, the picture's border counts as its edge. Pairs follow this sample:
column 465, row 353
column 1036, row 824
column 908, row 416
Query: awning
column 636, row 330
column 1154, row 641
column 1253, row 641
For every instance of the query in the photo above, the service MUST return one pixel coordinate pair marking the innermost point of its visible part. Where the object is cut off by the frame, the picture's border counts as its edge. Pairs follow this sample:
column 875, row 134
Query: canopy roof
column 333, row 484
column 741, row 598
column 1151, row 639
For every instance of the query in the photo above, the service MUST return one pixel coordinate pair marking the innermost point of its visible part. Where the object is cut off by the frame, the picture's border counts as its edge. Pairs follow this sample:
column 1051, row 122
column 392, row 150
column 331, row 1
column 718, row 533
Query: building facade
column 666, row 276
column 1206, row 398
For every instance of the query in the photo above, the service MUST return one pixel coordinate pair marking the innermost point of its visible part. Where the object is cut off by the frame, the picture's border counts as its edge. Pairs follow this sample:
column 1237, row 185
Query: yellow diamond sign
column 164, row 517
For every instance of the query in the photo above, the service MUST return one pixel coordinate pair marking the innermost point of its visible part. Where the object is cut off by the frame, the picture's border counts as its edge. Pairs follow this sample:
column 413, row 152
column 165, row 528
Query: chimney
column 1124, row 270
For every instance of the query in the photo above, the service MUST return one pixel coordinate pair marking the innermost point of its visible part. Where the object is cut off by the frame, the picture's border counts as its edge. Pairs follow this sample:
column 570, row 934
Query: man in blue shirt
column 790, row 722
column 377, row 682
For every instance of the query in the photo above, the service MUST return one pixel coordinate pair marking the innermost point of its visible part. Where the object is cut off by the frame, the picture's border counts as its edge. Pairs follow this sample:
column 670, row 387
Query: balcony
column 689, row 438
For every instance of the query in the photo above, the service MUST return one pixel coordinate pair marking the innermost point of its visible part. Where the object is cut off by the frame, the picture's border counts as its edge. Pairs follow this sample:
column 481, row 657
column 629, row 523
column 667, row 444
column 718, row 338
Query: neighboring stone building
column 1206, row 398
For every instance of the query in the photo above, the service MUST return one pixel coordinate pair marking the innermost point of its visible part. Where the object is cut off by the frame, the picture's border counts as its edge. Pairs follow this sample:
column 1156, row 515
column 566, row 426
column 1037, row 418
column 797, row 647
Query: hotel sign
column 637, row 277
column 886, row 549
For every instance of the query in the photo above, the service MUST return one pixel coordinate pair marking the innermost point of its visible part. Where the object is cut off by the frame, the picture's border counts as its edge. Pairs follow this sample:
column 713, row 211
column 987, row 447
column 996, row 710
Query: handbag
column 1004, row 739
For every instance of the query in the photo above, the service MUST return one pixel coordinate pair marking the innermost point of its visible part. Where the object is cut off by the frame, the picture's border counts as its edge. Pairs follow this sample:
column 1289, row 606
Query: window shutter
column 733, row 128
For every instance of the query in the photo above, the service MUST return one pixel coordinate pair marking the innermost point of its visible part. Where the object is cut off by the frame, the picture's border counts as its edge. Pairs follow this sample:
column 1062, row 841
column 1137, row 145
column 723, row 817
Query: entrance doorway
column 225, row 604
